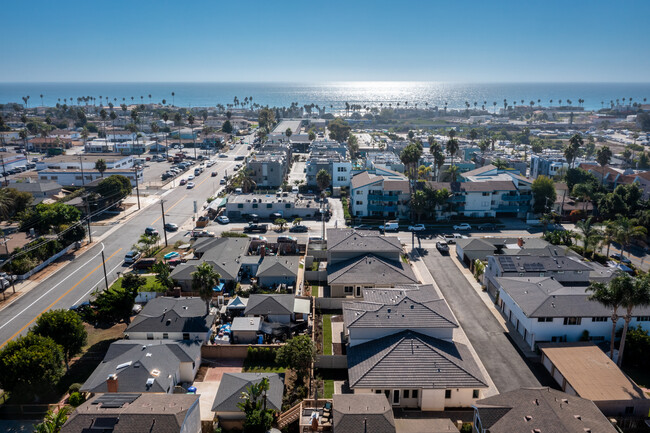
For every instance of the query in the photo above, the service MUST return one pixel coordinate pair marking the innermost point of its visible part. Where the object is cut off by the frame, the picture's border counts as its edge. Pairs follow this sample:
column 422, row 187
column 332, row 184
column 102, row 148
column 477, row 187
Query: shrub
column 75, row 387
column 76, row 399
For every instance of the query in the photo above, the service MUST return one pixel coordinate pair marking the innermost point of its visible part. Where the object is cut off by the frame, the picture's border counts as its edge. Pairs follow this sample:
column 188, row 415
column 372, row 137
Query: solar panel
column 507, row 264
column 534, row 267
column 115, row 400
column 105, row 423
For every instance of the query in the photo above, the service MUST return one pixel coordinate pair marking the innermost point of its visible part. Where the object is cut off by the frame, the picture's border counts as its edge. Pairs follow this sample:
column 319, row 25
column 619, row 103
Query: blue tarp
column 218, row 288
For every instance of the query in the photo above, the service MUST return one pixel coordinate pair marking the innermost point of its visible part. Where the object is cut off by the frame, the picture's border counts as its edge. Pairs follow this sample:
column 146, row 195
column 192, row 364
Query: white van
column 390, row 226
column 295, row 189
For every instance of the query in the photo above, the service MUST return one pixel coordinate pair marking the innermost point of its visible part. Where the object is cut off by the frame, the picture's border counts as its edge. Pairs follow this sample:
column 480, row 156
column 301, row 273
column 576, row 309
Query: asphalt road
column 507, row 368
column 75, row 282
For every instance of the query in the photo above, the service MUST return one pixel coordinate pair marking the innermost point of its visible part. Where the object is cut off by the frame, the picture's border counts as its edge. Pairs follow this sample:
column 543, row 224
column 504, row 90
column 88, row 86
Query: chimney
column 111, row 383
column 520, row 242
column 263, row 251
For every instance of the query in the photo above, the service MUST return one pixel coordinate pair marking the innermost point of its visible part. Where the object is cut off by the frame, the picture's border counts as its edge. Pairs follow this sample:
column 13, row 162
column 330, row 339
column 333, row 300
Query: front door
column 396, row 397
column 358, row 292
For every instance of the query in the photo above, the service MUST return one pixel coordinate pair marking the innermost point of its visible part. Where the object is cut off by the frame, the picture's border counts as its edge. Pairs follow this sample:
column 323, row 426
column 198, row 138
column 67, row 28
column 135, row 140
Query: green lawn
column 151, row 286
column 327, row 334
column 328, row 388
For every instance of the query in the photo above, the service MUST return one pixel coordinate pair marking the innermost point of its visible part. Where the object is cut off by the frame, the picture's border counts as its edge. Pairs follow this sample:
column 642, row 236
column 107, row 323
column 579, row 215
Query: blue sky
column 307, row 41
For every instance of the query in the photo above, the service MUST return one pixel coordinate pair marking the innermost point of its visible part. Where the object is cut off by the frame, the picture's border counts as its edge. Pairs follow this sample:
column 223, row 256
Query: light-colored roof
column 590, row 372
column 339, row 240
column 479, row 171
column 371, row 269
column 246, row 324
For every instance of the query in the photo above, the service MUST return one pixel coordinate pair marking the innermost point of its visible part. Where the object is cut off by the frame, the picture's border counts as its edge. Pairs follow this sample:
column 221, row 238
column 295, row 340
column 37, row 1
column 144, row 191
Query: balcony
column 512, row 208
column 506, row 197
column 382, row 197
column 376, row 208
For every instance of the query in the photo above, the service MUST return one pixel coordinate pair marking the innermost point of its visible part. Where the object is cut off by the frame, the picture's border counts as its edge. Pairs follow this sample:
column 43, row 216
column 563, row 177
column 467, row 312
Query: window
column 149, row 336
column 475, row 393
column 341, row 178
column 599, row 319
column 359, row 203
column 541, row 274
column 186, row 335
column 269, row 205
column 485, row 194
column 414, row 393
column 544, row 319
column 378, row 391
column 240, row 205
column 572, row 320
column 405, row 393
column 447, row 393
column 348, row 290
column 287, row 205
column 387, row 392
column 359, row 192
column 255, row 205
column 165, row 336
column 643, row 319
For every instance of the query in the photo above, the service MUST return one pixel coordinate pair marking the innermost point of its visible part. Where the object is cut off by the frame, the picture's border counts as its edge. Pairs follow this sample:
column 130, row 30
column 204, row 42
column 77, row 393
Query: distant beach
column 333, row 96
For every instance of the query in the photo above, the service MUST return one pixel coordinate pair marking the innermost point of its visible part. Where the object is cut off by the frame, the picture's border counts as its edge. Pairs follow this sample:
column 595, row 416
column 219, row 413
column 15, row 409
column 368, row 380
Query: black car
column 442, row 247
column 299, row 229
column 487, row 226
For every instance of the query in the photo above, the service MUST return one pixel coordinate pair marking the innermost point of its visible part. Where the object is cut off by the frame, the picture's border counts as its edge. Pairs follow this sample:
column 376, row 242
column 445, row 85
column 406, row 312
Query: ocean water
column 333, row 96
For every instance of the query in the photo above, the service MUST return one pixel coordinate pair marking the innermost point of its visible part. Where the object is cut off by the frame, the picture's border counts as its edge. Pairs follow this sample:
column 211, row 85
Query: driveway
column 506, row 366
column 208, row 380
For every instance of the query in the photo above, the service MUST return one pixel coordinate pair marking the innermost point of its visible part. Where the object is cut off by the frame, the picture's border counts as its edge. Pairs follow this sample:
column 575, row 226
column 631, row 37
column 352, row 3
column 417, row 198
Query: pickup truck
column 144, row 263
column 256, row 228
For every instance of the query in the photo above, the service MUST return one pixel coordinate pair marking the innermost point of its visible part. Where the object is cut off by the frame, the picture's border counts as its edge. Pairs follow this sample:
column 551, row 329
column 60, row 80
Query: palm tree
column 204, row 279
column 603, row 157
column 590, row 235
column 100, row 166
column 53, row 422
column 626, row 230
column 173, row 99
column 639, row 296
column 452, row 149
column 611, row 295
column 585, row 191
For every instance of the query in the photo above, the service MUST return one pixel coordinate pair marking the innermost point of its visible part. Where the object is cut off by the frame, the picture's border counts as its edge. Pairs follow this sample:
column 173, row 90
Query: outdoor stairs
column 289, row 416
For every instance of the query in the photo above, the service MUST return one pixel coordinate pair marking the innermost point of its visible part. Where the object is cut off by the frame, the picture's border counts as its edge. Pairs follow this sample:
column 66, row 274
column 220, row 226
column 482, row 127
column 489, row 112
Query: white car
column 463, row 227
column 417, row 228
column 222, row 219
column 190, row 177
column 190, row 185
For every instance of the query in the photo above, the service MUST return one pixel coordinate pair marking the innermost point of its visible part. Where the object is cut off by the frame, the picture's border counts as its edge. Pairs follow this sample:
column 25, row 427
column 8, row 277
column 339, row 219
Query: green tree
column 258, row 418
column 163, row 275
column 584, row 191
column 353, row 146
column 65, row 328
column 638, row 296
column 266, row 119
column 13, row 202
column 288, row 132
column 537, row 145
column 133, row 282
column 590, row 235
column 280, row 222
column 31, row 363
column 610, row 295
column 419, row 203
column 114, row 188
column 297, row 354
column 339, row 130
column 227, row 127
column 100, row 166
column 112, row 305
column 572, row 150
column 46, row 217
column 627, row 229
column 323, row 179
column 638, row 346
column 53, row 422
column 146, row 244
column 204, row 279
column 296, row 221
column 544, row 194
column 312, row 136
column 603, row 157
column 410, row 157
column 452, row 146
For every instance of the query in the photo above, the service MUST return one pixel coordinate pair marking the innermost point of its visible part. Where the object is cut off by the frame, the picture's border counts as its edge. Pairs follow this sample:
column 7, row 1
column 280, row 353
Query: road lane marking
column 57, row 300
column 203, row 181
column 170, row 208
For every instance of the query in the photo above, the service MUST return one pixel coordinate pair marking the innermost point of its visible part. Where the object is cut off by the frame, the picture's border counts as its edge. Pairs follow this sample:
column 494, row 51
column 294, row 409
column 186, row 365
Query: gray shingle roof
column 224, row 254
column 339, row 240
column 138, row 360
column 412, row 360
column 546, row 297
column 354, row 413
column 278, row 266
column 542, row 263
column 270, row 304
column 398, row 308
column 370, row 269
column 166, row 314
column 546, row 409
column 233, row 384
column 152, row 413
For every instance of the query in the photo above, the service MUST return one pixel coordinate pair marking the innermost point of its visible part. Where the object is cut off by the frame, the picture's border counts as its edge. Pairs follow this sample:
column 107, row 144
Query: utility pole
column 104, row 265
column 4, row 170
column 162, row 207
column 83, row 185
column 137, row 188
column 4, row 237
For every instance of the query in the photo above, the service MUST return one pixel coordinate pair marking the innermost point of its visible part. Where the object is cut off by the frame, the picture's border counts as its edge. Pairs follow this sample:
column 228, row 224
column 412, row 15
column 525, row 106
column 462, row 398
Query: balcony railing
column 506, row 197
column 382, row 197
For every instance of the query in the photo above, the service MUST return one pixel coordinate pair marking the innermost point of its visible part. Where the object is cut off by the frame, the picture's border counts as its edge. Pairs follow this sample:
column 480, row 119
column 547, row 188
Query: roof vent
column 528, row 418
column 150, row 381
column 155, row 372
column 168, row 322
column 578, row 417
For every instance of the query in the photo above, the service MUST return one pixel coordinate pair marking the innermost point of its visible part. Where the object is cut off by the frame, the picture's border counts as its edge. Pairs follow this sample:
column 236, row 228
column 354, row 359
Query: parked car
column 299, row 229
column 145, row 263
column 183, row 182
column 417, row 228
column 200, row 233
column 239, row 158
column 390, row 226
column 151, row 231
column 190, row 185
column 222, row 182
column 463, row 227
column 214, row 174
column 443, row 247
column 222, row 219
column 363, row 227
column 621, row 258
column 223, row 155
column 255, row 228
column 487, row 226
column 171, row 227
column 275, row 215
column 131, row 257
column 254, row 218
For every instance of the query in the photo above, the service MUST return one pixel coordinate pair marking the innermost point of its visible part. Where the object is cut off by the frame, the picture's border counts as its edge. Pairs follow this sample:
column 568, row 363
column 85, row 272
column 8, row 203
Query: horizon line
column 324, row 82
